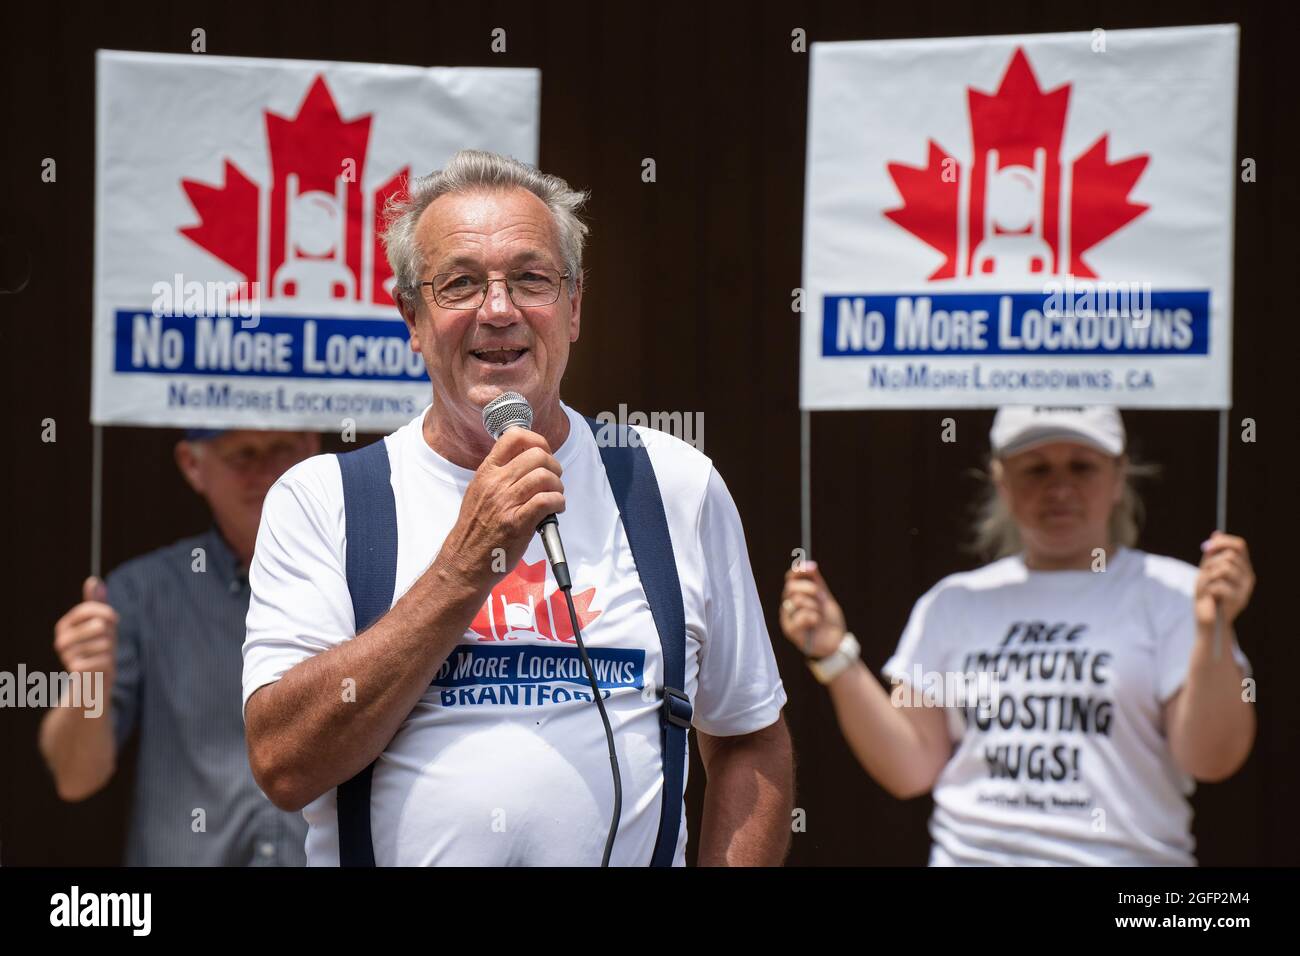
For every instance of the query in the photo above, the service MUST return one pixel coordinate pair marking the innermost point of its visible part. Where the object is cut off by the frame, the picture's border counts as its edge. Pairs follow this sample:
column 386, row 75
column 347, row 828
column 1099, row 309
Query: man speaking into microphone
column 419, row 680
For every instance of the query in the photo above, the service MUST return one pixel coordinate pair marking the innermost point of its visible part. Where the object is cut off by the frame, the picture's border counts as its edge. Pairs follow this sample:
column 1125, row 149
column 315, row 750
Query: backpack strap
column 640, row 504
column 371, row 518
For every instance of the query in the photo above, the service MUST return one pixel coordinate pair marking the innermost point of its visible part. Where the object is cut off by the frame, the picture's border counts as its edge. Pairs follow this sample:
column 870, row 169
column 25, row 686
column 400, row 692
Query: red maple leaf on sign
column 316, row 152
column 932, row 206
column 519, row 603
column 1101, row 204
column 381, row 291
column 1016, row 187
column 227, row 219
column 311, row 230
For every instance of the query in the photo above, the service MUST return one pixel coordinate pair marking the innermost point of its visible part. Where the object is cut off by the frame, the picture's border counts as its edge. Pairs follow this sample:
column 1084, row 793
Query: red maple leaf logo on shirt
column 1017, row 188
column 519, row 603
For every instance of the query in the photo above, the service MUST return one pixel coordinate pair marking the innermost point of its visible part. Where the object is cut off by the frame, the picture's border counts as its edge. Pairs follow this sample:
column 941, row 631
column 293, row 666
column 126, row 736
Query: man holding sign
column 166, row 632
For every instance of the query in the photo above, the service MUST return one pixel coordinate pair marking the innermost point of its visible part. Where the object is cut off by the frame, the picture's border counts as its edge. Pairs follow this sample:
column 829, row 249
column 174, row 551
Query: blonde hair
column 994, row 531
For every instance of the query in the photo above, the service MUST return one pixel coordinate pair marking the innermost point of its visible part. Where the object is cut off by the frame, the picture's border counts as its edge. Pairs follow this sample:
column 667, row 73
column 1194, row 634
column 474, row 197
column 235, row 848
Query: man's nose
column 265, row 472
column 498, row 308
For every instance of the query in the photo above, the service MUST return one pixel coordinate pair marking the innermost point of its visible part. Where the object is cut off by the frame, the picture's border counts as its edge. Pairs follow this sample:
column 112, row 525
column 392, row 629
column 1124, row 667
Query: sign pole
column 1221, row 519
column 805, row 482
column 96, row 497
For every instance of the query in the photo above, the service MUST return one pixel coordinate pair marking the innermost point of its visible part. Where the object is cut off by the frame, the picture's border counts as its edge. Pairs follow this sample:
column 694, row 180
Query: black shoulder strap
column 636, row 491
column 371, row 525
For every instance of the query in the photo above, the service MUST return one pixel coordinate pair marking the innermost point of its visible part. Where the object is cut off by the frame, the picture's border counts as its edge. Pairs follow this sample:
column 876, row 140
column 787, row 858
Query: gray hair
column 995, row 535
column 467, row 171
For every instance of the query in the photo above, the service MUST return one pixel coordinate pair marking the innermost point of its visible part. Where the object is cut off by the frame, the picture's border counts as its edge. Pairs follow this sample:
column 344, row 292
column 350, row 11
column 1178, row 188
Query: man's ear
column 409, row 312
column 1121, row 478
column 575, row 310
column 187, row 460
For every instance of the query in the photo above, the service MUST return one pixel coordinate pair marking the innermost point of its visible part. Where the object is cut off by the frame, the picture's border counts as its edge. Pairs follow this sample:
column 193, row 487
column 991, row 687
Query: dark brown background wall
column 688, row 309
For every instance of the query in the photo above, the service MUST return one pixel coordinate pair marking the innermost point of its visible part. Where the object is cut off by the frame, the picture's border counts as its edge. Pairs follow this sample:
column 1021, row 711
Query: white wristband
column 830, row 667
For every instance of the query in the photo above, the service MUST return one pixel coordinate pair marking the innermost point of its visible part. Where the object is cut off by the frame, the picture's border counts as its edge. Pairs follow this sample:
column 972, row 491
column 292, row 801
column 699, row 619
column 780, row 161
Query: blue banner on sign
column 270, row 346
column 1104, row 322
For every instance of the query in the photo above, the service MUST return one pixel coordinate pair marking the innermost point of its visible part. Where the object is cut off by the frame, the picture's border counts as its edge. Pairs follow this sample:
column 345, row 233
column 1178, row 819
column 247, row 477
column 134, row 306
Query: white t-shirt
column 1068, row 762
column 504, row 759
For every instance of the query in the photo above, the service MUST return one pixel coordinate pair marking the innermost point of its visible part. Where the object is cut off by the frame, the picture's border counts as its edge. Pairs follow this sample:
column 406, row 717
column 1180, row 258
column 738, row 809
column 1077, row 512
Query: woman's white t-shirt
column 1065, row 761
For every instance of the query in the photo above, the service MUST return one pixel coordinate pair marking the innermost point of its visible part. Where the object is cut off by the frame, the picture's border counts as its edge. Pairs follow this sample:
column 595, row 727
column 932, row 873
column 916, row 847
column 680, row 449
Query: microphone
column 511, row 410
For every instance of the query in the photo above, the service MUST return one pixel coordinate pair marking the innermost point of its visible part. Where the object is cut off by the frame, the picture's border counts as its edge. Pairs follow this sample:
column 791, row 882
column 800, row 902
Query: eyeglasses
column 527, row 288
column 246, row 461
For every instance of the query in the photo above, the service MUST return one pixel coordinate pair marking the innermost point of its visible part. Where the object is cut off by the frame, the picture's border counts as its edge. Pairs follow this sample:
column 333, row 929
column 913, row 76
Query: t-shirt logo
column 519, row 603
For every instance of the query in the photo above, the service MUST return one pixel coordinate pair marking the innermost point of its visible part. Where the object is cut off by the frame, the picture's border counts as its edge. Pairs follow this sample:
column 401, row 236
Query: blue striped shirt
column 179, row 666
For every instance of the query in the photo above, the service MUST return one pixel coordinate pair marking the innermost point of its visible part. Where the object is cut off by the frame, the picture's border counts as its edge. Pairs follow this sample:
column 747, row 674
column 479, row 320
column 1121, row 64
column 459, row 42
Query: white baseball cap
column 1017, row 428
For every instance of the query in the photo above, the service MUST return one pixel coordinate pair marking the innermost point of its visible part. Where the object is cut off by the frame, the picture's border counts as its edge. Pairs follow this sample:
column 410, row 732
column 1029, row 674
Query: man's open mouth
column 499, row 356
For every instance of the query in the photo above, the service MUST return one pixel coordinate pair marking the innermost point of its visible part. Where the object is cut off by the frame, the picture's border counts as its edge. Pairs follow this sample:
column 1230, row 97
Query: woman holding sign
column 1060, row 701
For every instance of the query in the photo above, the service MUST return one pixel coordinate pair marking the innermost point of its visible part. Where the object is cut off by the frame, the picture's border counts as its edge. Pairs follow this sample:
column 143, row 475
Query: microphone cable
column 567, row 588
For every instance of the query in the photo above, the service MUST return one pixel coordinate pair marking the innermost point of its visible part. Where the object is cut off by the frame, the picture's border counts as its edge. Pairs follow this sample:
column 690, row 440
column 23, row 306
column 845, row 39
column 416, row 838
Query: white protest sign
column 1041, row 219
column 239, row 277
